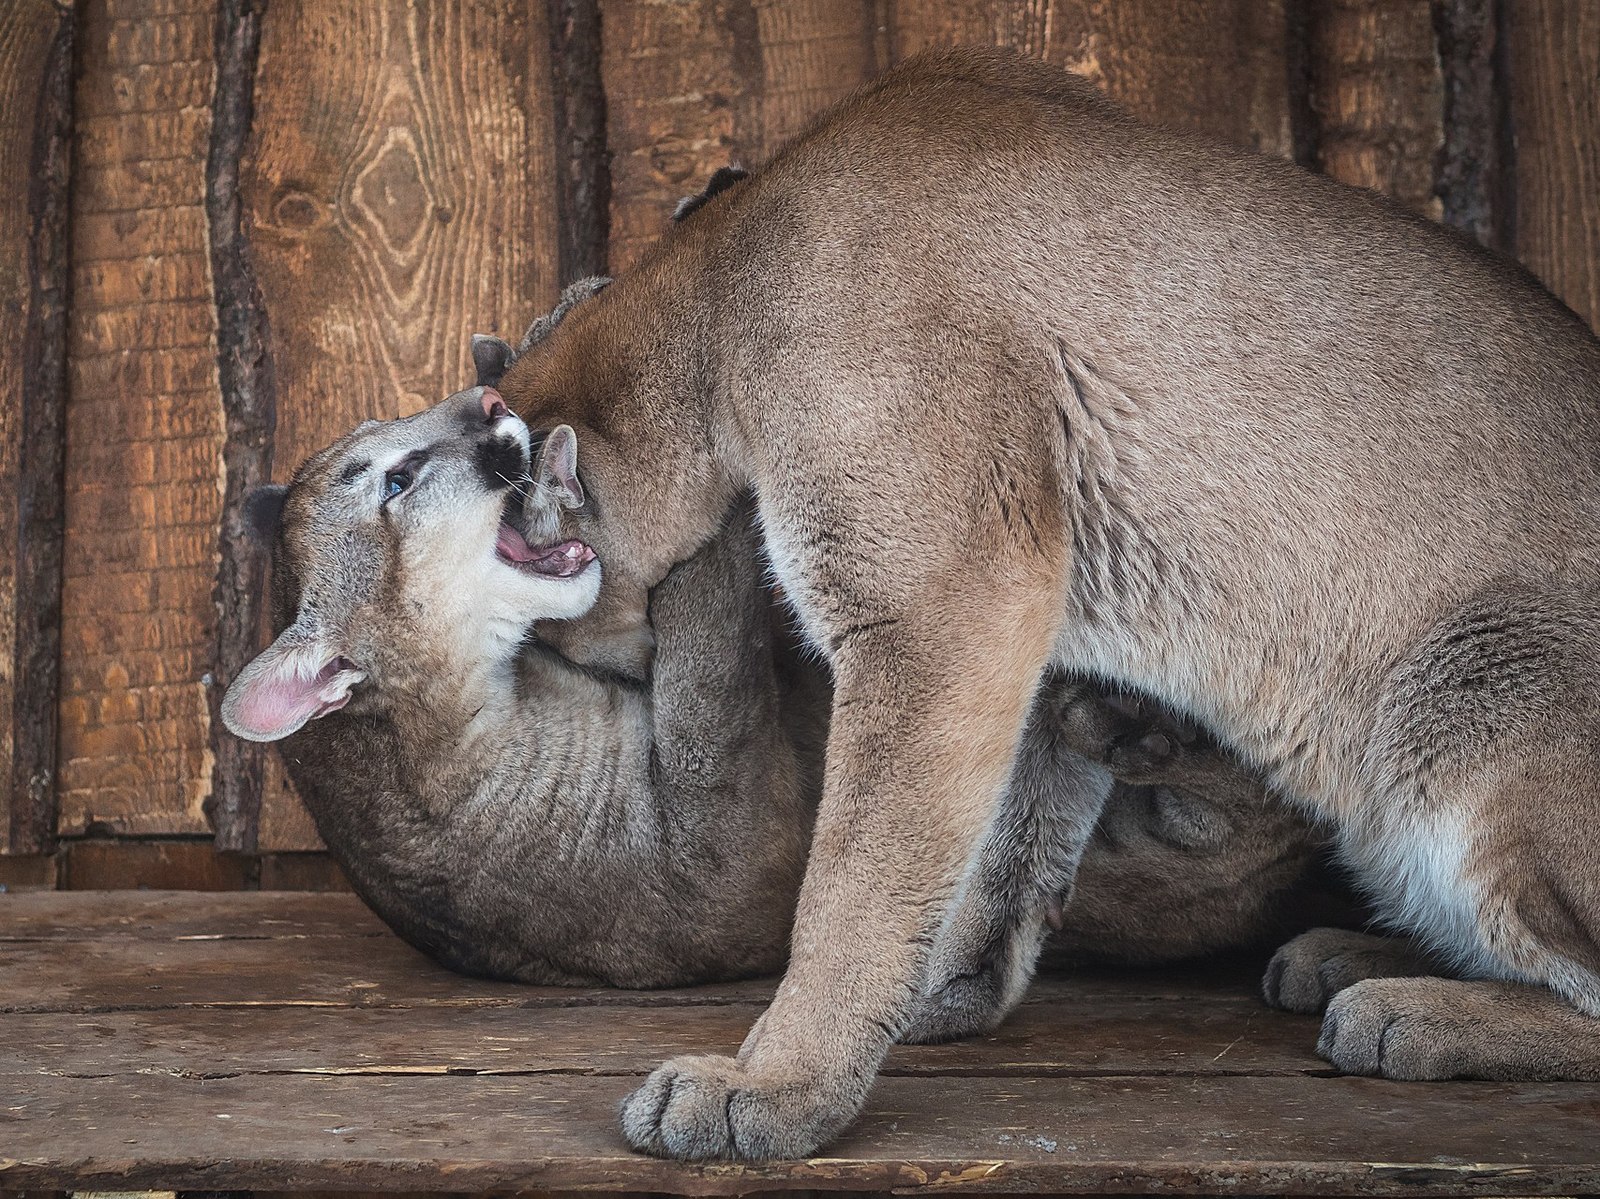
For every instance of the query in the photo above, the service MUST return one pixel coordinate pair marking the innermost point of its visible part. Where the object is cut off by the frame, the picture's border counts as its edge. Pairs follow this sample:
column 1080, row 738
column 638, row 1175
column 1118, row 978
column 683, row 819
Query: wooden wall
column 231, row 229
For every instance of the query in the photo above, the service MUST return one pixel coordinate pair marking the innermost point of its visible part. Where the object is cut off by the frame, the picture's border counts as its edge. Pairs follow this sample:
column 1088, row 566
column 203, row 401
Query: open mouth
column 564, row 561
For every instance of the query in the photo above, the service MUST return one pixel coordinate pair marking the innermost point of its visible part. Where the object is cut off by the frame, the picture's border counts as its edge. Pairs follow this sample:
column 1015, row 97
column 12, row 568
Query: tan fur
column 518, row 817
column 1018, row 383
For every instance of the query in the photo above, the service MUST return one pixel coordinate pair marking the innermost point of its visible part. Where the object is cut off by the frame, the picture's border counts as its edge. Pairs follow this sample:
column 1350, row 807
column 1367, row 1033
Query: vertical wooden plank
column 143, row 427
column 1474, row 183
column 813, row 53
column 1218, row 66
column 1377, row 97
column 245, row 379
column 397, row 195
column 1553, row 68
column 674, row 74
column 694, row 86
column 35, row 130
column 583, row 166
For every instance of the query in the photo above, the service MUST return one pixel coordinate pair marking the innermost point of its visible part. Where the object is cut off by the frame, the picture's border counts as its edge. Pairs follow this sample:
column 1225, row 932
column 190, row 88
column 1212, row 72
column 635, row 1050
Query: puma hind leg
column 1492, row 857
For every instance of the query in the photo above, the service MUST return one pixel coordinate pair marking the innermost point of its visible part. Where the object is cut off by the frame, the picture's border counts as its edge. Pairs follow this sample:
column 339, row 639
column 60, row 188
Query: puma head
column 396, row 552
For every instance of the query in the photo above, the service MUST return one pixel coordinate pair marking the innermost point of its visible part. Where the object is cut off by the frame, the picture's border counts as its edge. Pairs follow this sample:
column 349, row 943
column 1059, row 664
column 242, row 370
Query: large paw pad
column 700, row 1108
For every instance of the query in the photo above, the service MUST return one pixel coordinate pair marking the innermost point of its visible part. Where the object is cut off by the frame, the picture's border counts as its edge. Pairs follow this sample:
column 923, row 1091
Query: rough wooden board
column 1088, row 1035
column 1553, row 54
column 140, row 549
column 1218, row 1135
column 176, row 915
column 399, row 196
column 247, row 382
column 812, row 53
column 1218, row 66
column 140, row 974
column 1474, row 182
column 582, row 160
column 34, row 872
column 675, row 75
column 693, row 87
column 1377, row 94
column 301, row 872
column 191, row 865
column 114, row 975
column 690, row 87
column 35, row 115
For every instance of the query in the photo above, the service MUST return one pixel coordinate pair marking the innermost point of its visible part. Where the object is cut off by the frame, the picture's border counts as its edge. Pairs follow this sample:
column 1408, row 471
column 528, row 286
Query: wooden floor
column 283, row 1042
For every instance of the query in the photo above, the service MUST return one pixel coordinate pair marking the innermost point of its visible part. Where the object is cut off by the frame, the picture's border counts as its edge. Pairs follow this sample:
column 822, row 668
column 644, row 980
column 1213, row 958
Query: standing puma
column 515, row 816
column 1021, row 384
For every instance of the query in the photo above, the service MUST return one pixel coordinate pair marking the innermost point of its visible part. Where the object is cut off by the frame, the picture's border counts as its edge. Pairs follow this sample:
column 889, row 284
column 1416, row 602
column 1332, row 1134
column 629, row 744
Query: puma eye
column 397, row 480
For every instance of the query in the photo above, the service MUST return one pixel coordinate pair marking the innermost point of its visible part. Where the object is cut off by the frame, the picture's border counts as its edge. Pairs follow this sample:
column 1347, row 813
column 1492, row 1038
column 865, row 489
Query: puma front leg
column 927, row 716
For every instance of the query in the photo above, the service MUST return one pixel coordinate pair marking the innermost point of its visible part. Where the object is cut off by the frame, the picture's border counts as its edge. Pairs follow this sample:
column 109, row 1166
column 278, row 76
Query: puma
column 518, row 817
column 1023, row 386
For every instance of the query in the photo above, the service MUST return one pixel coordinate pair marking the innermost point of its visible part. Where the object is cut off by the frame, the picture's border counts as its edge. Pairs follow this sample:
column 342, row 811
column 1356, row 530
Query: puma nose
column 494, row 405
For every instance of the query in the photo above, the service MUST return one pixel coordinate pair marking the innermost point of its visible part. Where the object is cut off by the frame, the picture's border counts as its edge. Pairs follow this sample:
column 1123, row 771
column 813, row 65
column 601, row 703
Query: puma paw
column 1401, row 1028
column 1314, row 967
column 705, row 1107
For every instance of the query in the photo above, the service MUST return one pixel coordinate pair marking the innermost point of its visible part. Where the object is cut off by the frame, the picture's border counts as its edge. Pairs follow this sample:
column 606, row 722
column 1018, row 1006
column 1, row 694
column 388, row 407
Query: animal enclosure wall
column 231, row 229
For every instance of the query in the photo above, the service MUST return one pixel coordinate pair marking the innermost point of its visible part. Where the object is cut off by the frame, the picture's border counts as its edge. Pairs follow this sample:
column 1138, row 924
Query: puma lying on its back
column 519, row 817
column 504, row 811
column 1023, row 386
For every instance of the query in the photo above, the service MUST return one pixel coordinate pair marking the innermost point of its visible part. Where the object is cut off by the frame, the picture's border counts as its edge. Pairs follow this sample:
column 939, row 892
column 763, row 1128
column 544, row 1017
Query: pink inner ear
column 280, row 699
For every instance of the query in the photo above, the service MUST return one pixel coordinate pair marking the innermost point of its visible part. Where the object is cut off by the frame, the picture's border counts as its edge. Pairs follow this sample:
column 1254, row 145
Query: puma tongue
column 557, row 561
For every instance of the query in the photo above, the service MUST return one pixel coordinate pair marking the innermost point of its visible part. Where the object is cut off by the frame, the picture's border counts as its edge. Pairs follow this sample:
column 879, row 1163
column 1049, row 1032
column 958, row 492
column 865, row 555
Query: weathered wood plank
column 1089, row 1035
column 127, row 863
column 1474, row 186
column 690, row 87
column 35, row 126
column 173, row 915
column 582, row 162
column 246, row 969
column 398, row 194
column 1247, row 1135
column 144, row 422
column 1553, row 54
column 249, row 407
column 34, row 872
column 674, row 77
column 113, row 975
column 1217, row 66
column 1377, row 95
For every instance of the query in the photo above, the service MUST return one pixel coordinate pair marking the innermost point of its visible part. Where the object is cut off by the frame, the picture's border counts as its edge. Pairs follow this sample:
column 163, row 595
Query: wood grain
column 1216, row 66
column 1377, row 96
column 582, row 161
column 249, row 409
column 693, row 87
column 674, row 75
column 1076, row 1036
column 1168, row 1135
column 285, row 1043
column 35, row 127
column 398, row 196
column 177, row 915
column 1554, row 82
column 143, row 427
column 1474, row 183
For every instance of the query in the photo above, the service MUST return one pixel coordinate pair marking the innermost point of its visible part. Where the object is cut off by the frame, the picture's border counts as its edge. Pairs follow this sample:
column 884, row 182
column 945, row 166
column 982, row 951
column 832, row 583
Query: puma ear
column 263, row 510
column 558, row 466
column 299, row 677
column 720, row 181
column 492, row 356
